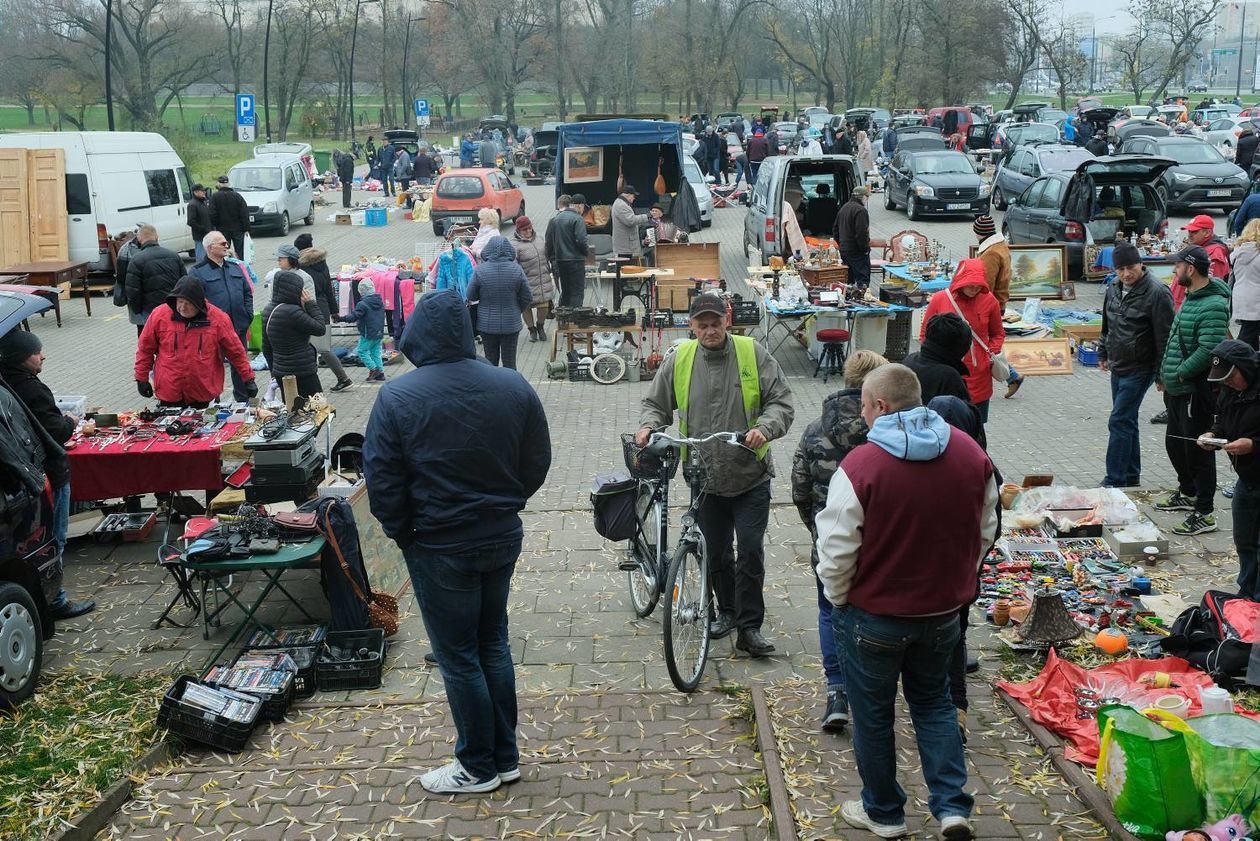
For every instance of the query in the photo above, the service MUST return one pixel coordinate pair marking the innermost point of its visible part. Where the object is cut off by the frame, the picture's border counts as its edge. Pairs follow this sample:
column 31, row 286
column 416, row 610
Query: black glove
column 251, row 388
column 144, row 388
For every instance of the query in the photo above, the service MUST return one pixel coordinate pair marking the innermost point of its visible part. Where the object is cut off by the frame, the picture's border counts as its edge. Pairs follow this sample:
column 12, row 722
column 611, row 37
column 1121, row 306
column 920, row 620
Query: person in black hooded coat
column 314, row 261
column 289, row 321
column 938, row 364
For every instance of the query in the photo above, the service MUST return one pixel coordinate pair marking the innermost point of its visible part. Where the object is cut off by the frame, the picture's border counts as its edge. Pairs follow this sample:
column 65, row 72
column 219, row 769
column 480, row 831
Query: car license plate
column 958, row 206
column 1215, row 193
column 251, row 218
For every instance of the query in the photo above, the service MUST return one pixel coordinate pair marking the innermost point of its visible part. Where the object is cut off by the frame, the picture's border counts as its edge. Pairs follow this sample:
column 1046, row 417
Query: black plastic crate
column 205, row 728
column 274, row 704
column 745, row 313
column 357, row 673
column 290, row 636
column 897, row 346
column 304, row 657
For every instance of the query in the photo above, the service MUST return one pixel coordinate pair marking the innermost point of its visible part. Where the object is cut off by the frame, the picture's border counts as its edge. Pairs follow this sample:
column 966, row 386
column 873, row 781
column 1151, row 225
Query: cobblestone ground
column 584, row 664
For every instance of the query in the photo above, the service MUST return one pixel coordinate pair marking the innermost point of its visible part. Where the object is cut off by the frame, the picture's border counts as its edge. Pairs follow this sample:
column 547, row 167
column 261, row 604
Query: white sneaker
column 854, row 814
column 453, row 779
column 510, row 776
column 956, row 828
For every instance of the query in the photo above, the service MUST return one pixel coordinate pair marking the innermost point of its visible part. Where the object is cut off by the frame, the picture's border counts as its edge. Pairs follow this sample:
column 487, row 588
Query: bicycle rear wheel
column 644, row 580
column 687, row 616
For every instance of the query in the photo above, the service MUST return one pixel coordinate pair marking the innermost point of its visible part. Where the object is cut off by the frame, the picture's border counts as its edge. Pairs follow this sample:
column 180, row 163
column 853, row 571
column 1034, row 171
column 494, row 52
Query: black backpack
column 612, row 498
column 1205, row 638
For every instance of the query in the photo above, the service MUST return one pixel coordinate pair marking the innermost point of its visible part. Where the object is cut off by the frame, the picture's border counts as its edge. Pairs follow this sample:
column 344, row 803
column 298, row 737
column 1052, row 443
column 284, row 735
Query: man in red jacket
column 1201, row 231
column 183, row 344
column 898, row 580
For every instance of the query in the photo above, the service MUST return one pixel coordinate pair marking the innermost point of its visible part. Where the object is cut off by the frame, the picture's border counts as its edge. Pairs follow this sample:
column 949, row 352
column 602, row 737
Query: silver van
column 277, row 189
column 823, row 183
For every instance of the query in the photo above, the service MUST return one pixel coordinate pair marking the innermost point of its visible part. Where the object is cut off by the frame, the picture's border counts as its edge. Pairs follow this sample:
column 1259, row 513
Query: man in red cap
column 1201, row 231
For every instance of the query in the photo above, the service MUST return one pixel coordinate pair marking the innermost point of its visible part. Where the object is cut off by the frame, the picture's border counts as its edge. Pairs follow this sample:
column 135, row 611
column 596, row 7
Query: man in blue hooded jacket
column 898, row 580
column 452, row 452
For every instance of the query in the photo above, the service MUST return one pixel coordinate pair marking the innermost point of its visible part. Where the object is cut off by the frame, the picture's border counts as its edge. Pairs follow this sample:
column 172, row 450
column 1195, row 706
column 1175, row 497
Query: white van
column 115, row 181
column 277, row 189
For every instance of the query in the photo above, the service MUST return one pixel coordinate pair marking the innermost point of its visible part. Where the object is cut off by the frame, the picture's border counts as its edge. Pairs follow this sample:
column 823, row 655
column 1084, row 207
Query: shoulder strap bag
column 382, row 607
column 1000, row 368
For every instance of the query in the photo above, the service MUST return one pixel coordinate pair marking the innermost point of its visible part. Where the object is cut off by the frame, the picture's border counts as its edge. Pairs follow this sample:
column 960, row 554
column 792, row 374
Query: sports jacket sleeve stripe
column 839, row 527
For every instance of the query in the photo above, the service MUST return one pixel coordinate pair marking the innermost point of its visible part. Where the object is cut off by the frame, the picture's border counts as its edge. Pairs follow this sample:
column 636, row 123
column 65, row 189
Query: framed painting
column 583, row 164
column 1162, row 271
column 1039, row 357
column 1037, row 271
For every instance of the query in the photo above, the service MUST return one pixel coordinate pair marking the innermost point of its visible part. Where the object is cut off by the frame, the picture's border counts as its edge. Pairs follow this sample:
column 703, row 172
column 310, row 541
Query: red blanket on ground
column 1051, row 697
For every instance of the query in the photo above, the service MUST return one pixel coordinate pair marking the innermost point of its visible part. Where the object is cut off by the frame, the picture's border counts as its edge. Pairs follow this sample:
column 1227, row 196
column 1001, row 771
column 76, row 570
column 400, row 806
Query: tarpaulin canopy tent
column 636, row 152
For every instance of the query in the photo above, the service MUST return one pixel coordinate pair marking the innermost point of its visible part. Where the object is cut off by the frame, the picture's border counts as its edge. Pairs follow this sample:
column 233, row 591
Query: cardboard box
column 1126, row 547
column 342, row 219
column 1077, row 333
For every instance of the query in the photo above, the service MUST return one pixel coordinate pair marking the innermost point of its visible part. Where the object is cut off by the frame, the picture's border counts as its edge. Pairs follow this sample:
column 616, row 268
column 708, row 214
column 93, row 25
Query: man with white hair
column 229, row 289
column 853, row 238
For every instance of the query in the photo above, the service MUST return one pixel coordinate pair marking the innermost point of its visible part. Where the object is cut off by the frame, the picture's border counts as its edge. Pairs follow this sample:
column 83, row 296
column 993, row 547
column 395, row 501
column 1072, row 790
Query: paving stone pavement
column 573, row 634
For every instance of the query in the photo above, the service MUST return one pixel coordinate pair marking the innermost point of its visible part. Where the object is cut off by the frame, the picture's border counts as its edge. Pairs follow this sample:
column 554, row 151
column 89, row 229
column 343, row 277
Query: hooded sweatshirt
column 983, row 313
column 454, row 449
column 876, row 549
column 938, row 364
column 288, row 325
column 186, row 355
column 499, row 289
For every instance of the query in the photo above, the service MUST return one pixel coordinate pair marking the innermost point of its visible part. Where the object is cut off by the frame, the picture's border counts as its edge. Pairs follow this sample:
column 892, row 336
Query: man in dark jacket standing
column 1245, row 151
column 385, row 163
column 152, row 273
column 896, row 623
column 198, row 213
column 21, row 362
column 452, row 452
column 345, row 174
column 939, row 361
column 1137, row 315
column 853, row 237
column 1236, row 369
column 1097, row 145
column 229, row 289
column 567, row 247
column 229, row 213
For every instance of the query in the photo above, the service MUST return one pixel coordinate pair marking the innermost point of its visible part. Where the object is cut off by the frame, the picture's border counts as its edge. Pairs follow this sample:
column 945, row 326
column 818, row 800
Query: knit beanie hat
column 1126, row 254
column 19, row 346
column 983, row 226
column 366, row 287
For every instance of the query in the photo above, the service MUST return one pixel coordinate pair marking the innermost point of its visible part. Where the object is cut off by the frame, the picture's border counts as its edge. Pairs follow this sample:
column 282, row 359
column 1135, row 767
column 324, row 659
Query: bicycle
column 685, row 574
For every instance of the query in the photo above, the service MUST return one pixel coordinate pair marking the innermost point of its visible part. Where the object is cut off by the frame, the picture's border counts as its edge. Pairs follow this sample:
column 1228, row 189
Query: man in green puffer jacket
column 1200, row 325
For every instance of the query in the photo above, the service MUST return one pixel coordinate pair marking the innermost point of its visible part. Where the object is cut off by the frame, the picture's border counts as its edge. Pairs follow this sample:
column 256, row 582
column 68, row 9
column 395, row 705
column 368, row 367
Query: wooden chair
column 893, row 251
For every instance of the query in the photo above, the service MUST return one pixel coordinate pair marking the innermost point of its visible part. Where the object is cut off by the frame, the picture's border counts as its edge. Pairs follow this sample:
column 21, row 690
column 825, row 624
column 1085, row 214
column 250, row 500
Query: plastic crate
column 1087, row 355
column 375, row 217
column 352, row 674
column 304, row 657
column 208, row 729
column 745, row 313
column 897, row 346
column 307, row 635
column 274, row 704
column 579, row 372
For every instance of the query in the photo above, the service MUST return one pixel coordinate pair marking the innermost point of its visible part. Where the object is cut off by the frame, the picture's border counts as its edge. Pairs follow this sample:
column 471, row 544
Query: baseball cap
column 1196, row 256
column 1202, row 222
column 707, row 303
column 223, row 179
column 289, row 251
column 1231, row 354
column 577, row 198
column 859, row 193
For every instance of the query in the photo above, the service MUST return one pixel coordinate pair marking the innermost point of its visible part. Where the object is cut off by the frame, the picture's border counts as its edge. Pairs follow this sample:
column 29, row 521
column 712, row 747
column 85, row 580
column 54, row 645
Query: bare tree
column 1026, row 19
column 231, row 14
column 804, row 32
column 1062, row 50
column 1183, row 24
column 1138, row 61
column 291, row 36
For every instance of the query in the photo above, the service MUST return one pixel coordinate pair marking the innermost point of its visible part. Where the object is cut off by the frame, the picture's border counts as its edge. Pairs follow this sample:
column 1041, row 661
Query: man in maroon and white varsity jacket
column 910, row 515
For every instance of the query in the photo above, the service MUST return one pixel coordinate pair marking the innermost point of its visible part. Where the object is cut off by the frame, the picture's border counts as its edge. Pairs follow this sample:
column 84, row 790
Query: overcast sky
column 1118, row 10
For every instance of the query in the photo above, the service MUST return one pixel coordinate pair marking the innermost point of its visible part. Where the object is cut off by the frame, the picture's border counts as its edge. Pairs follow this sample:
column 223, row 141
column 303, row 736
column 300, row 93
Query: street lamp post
column 406, row 80
column 266, row 65
column 109, row 40
column 354, row 40
column 1242, row 36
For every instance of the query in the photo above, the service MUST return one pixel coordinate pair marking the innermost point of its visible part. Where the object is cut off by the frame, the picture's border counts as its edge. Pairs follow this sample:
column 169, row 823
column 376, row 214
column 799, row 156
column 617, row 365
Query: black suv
column 1201, row 178
column 934, row 181
column 30, row 566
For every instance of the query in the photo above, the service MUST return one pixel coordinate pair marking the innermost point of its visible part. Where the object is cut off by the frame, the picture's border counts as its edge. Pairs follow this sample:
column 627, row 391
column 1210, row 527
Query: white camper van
column 115, row 181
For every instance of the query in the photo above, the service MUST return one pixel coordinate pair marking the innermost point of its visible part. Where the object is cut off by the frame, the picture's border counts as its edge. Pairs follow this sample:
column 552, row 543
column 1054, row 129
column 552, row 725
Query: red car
column 460, row 193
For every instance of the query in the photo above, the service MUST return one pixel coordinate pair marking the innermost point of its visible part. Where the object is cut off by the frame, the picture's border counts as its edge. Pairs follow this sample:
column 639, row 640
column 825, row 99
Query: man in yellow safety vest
column 727, row 383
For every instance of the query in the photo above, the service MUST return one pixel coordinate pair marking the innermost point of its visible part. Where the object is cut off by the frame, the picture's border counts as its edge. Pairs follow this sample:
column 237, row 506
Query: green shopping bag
column 254, row 344
column 1145, row 770
column 1225, row 757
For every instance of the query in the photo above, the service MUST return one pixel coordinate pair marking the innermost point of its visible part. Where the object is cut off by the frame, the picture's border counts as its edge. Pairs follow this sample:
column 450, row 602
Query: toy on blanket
column 1233, row 828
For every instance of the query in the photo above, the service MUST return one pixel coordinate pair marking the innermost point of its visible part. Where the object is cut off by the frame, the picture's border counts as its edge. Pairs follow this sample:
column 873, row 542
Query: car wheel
column 999, row 200
column 310, row 217
column 912, row 209
column 1162, row 192
column 284, row 223
column 438, row 228
column 21, row 645
column 520, row 212
column 889, row 204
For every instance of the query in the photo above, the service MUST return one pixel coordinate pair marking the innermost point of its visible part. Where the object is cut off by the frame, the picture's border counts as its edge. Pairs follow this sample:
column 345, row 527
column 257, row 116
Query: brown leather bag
column 382, row 607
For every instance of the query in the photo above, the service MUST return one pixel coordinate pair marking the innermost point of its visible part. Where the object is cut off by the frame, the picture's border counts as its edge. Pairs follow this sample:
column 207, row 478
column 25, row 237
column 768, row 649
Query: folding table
column 273, row 567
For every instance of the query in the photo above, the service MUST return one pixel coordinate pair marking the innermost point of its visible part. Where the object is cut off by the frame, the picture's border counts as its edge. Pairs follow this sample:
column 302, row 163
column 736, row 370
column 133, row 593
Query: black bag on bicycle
column 612, row 498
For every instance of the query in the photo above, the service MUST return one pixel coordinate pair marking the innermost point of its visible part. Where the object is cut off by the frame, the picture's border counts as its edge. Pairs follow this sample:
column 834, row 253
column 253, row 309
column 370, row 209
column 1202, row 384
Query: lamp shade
column 1049, row 622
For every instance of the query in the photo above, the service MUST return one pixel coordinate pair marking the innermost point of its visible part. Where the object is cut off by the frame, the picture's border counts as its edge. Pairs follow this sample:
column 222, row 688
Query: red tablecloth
column 144, row 466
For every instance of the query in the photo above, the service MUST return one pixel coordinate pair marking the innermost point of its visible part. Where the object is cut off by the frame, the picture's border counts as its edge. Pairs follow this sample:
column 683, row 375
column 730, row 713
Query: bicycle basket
column 645, row 465
column 612, row 499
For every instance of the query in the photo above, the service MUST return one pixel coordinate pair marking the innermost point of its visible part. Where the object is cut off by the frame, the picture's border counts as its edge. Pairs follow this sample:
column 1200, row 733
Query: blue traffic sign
column 422, row 108
column 245, row 115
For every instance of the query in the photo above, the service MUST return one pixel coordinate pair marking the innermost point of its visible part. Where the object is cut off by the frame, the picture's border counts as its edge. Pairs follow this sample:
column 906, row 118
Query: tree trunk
column 30, row 113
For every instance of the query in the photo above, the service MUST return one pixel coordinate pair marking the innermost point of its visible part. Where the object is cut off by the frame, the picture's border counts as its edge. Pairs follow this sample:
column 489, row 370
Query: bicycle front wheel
column 644, row 579
column 687, row 616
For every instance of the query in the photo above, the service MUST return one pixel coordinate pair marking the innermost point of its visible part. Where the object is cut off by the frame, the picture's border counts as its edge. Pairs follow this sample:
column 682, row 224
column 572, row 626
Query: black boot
column 542, row 333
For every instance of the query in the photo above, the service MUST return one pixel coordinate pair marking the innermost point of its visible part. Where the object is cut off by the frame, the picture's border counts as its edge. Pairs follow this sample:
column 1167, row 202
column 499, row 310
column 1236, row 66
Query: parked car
column 730, row 118
column 1056, row 209
column 1028, row 164
column 1197, row 86
column 1123, row 130
column 460, row 193
column 763, row 225
column 116, row 180
column 30, row 568
column 1173, row 113
column 934, row 181
column 1200, row 178
column 1014, row 135
column 404, row 138
column 1227, row 130
column 1097, row 119
column 700, row 188
column 869, row 120
column 951, row 119
column 788, row 138
column 1144, row 112
column 542, row 160
column 1202, row 116
column 906, row 120
column 808, row 111
column 277, row 189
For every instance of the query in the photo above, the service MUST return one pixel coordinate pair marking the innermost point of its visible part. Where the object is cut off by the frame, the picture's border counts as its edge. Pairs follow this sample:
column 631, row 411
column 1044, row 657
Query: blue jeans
column 1246, row 508
column 463, row 599
column 61, row 526
column 1012, row 376
column 238, row 382
column 833, row 663
column 199, row 252
column 877, row 650
column 1124, row 452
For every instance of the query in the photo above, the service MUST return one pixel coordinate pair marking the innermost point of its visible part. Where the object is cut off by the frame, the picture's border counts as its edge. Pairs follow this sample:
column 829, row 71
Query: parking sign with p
column 245, row 115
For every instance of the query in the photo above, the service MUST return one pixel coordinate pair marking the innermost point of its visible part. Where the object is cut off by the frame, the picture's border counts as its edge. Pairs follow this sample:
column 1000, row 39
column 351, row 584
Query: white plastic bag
column 248, row 256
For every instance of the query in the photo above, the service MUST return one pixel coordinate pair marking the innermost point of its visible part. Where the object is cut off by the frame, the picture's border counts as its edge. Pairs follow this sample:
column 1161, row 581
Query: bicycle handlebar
column 659, row 442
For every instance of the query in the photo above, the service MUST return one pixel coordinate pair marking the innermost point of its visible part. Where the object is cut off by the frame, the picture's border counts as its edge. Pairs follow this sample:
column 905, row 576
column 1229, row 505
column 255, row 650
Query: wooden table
column 637, row 284
column 53, row 273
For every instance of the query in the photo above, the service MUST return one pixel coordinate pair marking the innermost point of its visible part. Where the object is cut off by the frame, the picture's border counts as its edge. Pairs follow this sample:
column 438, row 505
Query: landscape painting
column 1039, row 357
column 583, row 164
column 1038, row 271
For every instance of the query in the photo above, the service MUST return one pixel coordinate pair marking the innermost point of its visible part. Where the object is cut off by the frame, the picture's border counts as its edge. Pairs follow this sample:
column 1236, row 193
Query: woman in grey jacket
column 532, row 257
column 501, row 292
column 1246, row 295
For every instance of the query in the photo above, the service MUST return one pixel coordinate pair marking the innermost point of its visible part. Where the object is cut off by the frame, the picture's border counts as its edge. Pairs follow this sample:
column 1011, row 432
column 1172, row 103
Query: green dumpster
column 323, row 161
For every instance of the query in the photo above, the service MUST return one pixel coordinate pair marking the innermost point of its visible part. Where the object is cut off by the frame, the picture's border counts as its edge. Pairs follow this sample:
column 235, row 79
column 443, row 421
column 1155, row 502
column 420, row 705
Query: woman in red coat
column 969, row 295
column 184, row 344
